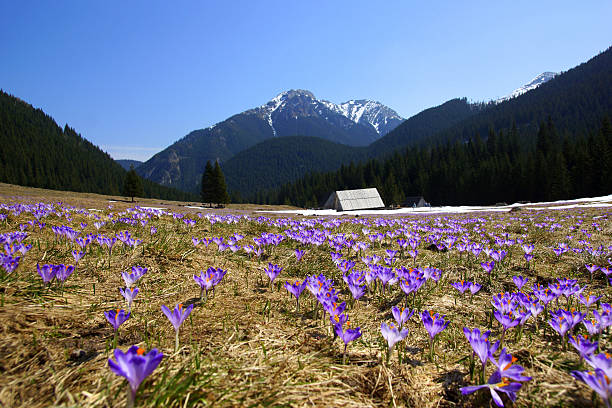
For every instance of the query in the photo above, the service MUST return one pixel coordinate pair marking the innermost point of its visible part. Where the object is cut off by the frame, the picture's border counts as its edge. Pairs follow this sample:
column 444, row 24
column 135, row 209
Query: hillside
column 36, row 152
column 277, row 161
column 575, row 101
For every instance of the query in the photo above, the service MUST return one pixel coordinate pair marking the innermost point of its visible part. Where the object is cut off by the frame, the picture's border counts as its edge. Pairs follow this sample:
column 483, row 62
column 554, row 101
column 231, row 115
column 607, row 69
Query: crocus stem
column 344, row 355
column 176, row 342
column 131, row 395
column 115, row 338
column 431, row 349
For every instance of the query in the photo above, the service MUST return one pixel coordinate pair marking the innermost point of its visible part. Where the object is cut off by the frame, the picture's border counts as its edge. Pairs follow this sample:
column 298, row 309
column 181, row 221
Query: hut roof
column 346, row 200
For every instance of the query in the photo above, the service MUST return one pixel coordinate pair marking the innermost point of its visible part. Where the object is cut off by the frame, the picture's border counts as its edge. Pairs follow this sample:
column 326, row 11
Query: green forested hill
column 277, row 161
column 36, row 152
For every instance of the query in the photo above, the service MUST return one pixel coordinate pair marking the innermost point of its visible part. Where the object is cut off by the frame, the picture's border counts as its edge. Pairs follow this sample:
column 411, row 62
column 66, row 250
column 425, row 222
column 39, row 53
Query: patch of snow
column 591, row 202
column 533, row 84
column 195, row 207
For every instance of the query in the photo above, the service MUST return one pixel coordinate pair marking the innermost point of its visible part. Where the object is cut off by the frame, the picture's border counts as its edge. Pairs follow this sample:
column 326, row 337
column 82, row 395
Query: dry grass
column 246, row 346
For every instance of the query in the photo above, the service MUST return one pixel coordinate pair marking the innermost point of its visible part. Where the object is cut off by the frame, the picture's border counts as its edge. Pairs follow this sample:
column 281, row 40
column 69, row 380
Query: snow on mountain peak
column 533, row 84
column 363, row 112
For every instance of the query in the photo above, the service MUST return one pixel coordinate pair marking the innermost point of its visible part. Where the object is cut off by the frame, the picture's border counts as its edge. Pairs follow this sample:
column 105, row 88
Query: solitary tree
column 132, row 186
column 220, row 195
column 207, row 184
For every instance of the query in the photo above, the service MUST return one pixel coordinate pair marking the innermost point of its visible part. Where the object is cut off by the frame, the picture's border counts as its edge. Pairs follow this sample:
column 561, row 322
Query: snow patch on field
column 591, row 202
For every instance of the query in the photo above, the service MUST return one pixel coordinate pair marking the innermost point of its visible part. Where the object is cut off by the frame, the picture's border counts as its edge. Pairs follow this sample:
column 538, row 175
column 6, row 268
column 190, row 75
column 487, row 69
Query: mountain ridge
column 290, row 113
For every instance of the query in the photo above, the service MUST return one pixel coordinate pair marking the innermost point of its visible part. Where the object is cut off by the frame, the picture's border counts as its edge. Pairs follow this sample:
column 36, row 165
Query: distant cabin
column 414, row 202
column 347, row 200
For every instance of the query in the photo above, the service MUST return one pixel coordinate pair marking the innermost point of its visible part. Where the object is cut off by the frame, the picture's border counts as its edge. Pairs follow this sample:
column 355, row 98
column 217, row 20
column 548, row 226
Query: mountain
column 36, row 152
column 537, row 81
column 126, row 164
column 276, row 161
column 294, row 112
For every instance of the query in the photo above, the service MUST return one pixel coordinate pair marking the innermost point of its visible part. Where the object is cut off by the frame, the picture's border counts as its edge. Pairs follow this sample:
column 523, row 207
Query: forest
column 502, row 167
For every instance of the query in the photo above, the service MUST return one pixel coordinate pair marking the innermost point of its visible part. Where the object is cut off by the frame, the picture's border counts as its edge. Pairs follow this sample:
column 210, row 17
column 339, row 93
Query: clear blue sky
column 134, row 77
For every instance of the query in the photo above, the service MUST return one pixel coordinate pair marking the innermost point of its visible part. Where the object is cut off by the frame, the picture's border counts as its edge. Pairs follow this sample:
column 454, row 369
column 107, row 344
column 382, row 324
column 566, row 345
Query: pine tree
column 207, row 192
column 220, row 195
column 133, row 185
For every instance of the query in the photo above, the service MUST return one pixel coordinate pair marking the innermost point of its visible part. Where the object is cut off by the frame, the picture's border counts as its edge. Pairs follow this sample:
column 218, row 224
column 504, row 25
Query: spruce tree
column 133, row 185
column 207, row 192
column 220, row 195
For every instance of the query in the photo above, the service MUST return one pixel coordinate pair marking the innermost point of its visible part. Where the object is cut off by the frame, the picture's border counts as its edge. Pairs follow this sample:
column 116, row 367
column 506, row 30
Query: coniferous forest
column 502, row 167
column 36, row 152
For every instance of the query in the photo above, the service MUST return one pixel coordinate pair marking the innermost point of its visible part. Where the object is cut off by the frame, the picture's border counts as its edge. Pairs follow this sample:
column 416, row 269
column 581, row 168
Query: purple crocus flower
column 299, row 253
column 506, row 320
column 116, row 317
column 135, row 366
column 434, row 324
column 356, row 290
column 481, row 345
column 77, row 255
column 519, row 281
column 506, row 367
column 592, row 326
column 402, row 315
column 62, row 272
column 498, row 256
column 177, row 317
column 592, row 268
column 347, row 336
column 461, row 286
column 131, row 278
column 527, row 248
column 582, row 344
column 588, row 300
column 206, row 281
column 495, row 384
column 272, row 271
column 129, row 294
column 488, row 266
column 475, row 287
column 392, row 334
column 560, row 324
column 296, row 290
column 599, row 382
column 46, row 272
column 9, row 263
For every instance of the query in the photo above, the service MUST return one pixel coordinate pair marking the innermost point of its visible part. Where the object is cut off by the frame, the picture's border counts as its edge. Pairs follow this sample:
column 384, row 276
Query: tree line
column 503, row 167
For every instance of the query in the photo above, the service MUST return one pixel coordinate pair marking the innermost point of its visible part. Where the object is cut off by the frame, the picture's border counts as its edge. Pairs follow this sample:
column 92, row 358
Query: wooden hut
column 347, row 200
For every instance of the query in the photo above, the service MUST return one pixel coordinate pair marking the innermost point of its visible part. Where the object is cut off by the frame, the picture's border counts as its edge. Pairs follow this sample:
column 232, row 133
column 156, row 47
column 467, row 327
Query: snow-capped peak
column 363, row 111
column 533, row 84
column 303, row 103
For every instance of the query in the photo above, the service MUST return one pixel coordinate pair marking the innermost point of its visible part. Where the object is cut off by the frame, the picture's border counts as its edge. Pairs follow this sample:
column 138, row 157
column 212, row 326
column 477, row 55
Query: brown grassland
column 246, row 345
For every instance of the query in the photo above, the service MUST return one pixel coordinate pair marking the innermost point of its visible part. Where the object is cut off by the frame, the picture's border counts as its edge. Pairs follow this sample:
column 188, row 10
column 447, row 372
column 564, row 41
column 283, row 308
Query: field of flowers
column 119, row 305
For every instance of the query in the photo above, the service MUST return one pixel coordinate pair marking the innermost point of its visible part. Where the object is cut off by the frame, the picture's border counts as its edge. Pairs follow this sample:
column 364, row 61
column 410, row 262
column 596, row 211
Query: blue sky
column 133, row 77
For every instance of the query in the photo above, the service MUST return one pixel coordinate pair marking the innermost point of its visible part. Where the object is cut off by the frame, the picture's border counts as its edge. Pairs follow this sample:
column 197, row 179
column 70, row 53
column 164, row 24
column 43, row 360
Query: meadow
column 299, row 311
